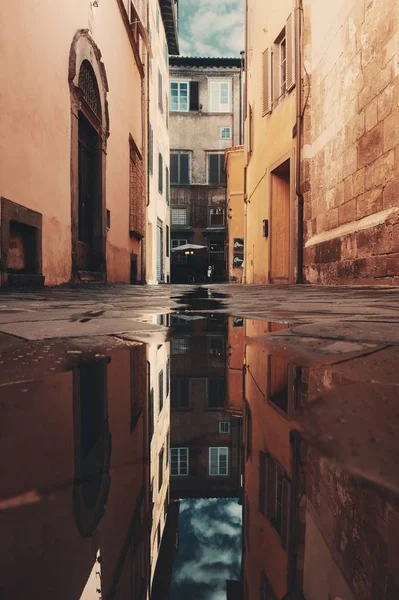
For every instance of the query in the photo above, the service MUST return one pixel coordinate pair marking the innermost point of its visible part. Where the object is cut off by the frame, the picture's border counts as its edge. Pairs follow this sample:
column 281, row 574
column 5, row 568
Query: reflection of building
column 310, row 529
column 73, row 171
column 205, row 105
column 204, row 436
column 78, row 467
column 234, row 164
column 235, row 366
column 162, row 29
column 158, row 373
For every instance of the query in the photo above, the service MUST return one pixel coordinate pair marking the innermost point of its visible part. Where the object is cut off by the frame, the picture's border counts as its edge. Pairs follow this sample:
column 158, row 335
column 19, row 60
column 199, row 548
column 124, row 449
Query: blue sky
column 209, row 549
column 209, row 28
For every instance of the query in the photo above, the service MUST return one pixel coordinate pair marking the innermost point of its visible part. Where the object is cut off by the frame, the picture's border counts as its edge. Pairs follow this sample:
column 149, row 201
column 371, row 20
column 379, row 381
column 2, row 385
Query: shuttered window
column 179, row 168
column 160, row 90
column 216, row 174
column 274, row 495
column 160, row 390
column 290, row 52
column 160, row 173
column 150, row 149
column 167, row 185
column 266, row 83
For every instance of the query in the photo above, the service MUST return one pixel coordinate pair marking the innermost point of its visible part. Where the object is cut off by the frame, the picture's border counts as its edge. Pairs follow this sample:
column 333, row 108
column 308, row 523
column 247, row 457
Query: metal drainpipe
column 298, row 8
column 241, row 72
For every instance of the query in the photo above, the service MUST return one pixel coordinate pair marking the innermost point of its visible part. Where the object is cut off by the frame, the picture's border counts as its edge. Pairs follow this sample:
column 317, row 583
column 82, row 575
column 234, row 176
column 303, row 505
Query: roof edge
column 169, row 18
column 204, row 61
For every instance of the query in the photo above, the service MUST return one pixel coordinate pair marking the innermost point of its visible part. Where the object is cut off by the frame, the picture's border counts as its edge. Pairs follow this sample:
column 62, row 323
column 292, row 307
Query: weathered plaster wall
column 351, row 153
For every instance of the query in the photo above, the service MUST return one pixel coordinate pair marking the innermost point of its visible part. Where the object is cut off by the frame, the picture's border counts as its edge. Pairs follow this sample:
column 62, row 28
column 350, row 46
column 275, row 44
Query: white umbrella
column 188, row 248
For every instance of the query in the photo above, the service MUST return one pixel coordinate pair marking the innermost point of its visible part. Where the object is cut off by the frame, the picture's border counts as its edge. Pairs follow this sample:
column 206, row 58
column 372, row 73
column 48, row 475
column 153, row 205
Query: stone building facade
column 73, row 144
column 351, row 142
column 162, row 28
column 205, row 108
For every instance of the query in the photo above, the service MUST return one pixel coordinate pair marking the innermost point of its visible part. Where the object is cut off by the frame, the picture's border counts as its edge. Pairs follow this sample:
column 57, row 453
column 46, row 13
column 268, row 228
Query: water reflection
column 210, row 463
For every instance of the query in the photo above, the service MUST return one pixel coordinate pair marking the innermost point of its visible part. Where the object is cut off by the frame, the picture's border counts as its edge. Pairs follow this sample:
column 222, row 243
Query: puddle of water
column 207, row 463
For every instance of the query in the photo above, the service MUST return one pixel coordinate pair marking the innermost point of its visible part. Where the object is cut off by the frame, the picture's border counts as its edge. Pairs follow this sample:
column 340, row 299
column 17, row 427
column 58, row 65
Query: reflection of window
column 160, row 469
column 248, row 430
column 225, row 133
column 216, row 345
column 224, row 426
column 167, row 377
column 180, row 394
column 178, row 461
column 180, row 345
column 179, row 96
column 160, row 390
column 179, row 168
column 274, row 489
column 218, row 461
column 216, row 174
column 179, row 216
column 160, row 91
column 216, row 393
column 219, row 96
column 216, row 217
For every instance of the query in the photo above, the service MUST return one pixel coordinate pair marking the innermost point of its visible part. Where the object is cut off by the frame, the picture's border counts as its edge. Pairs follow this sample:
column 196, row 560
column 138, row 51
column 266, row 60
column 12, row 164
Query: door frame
column 291, row 229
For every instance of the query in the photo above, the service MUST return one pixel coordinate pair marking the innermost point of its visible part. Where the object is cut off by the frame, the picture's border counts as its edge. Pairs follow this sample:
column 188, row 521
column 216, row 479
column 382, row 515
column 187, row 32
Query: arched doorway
column 89, row 133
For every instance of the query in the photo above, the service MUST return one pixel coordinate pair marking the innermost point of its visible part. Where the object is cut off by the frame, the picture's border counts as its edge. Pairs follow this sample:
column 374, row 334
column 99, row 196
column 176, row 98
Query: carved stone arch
column 89, row 134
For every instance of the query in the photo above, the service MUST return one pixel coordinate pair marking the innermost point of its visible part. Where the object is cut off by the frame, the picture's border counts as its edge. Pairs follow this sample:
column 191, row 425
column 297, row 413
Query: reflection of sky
column 209, row 549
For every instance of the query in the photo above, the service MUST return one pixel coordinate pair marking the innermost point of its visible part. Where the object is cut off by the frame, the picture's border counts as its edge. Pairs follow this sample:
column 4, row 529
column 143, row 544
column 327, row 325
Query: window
column 274, row 488
column 160, row 173
column 283, row 65
column 167, row 240
column 175, row 243
column 284, row 60
column 179, row 216
column 216, row 217
column 219, row 96
column 160, row 90
column 184, row 96
column 225, row 133
column 180, row 345
column 216, row 345
column 160, row 469
column 218, row 461
column 160, row 390
column 167, row 377
column 179, row 96
column 150, row 149
column 167, row 185
column 224, row 426
column 180, row 398
column 166, row 54
column 179, row 461
column 167, row 110
column 180, row 168
column 216, row 174
column 216, row 252
column 216, row 393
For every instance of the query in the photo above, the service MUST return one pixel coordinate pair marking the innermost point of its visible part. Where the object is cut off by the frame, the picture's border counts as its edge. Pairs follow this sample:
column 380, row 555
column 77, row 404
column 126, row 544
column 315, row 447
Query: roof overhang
column 169, row 17
column 205, row 61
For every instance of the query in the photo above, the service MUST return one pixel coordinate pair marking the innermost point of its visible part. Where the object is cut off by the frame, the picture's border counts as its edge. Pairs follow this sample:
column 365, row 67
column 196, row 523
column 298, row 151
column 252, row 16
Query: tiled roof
column 204, row 61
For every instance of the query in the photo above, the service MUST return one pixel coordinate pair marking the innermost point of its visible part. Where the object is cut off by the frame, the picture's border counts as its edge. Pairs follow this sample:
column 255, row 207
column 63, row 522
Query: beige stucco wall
column 158, row 207
column 272, row 136
column 235, row 207
column 35, row 121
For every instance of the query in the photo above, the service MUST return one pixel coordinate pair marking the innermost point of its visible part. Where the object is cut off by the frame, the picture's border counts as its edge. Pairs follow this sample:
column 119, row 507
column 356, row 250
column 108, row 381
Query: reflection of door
column 88, row 187
column 159, row 253
column 280, row 224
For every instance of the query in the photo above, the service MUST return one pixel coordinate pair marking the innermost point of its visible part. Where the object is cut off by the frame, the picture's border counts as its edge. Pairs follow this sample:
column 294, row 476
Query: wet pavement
column 208, row 443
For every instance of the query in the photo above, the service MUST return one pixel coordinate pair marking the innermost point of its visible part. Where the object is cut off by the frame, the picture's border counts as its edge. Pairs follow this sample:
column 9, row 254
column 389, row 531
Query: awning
column 189, row 248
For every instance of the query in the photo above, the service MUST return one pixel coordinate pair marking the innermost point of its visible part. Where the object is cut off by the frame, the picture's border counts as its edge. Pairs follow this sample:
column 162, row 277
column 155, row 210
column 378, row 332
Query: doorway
column 89, row 211
column 280, row 224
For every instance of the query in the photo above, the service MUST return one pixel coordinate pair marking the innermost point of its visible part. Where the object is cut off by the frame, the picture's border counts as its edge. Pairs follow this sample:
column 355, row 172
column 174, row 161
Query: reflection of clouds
column 209, row 548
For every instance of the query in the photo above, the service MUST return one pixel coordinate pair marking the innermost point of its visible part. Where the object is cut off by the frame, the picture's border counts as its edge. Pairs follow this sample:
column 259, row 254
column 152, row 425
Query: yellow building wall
column 35, row 121
column 235, row 207
column 272, row 137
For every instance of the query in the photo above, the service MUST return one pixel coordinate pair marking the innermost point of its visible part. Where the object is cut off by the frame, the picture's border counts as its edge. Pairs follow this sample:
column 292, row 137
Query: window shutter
column 290, row 40
column 285, row 512
column 167, row 185
column 266, row 83
column 160, row 173
column 194, row 95
column 222, row 174
column 174, row 168
column 184, row 169
column 213, row 169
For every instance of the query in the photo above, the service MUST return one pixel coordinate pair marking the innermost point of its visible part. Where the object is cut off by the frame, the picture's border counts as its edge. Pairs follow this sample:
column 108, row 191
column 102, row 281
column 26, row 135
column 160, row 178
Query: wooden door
column 87, row 189
column 280, row 227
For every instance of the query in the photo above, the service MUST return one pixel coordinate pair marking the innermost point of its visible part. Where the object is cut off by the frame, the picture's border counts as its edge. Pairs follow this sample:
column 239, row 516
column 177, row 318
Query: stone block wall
column 350, row 167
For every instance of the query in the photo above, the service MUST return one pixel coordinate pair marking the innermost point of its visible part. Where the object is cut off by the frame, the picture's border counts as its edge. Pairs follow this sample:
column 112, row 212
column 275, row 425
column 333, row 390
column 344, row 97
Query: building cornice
column 169, row 17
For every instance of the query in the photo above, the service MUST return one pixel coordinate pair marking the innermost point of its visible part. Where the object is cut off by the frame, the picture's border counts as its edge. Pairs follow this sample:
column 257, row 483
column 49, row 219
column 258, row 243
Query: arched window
column 88, row 84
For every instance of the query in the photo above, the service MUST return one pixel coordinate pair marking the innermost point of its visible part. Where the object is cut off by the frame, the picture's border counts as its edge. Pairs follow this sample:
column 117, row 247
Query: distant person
column 210, row 273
